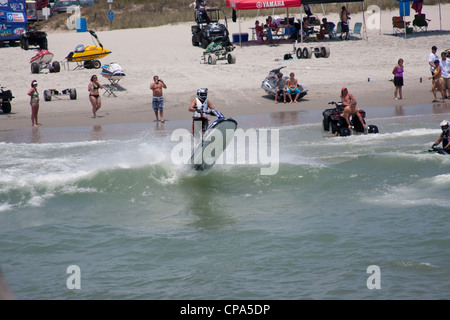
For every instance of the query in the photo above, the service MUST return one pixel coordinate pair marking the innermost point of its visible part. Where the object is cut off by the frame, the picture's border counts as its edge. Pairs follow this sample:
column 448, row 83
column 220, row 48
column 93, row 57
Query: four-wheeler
column 5, row 100
column 216, row 51
column 209, row 28
column 33, row 37
column 43, row 60
column 331, row 119
column 49, row 93
column 269, row 83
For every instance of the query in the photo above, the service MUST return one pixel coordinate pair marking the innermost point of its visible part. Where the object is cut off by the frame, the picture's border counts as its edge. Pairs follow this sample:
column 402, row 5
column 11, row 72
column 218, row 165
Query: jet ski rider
column 444, row 137
column 201, row 106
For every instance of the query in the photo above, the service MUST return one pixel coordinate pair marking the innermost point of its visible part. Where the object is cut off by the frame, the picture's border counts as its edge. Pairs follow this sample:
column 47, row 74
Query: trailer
column 216, row 51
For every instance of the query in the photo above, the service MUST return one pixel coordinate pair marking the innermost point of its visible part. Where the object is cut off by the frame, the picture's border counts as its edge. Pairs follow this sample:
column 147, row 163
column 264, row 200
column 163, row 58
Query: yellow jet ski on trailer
column 87, row 57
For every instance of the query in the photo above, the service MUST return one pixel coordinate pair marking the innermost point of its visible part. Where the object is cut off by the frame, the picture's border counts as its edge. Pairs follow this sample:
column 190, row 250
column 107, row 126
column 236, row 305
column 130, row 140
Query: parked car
column 86, row 3
column 61, row 6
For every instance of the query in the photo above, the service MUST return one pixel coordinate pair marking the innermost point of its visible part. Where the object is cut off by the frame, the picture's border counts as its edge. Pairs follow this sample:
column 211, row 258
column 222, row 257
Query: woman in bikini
column 34, row 103
column 437, row 81
column 94, row 96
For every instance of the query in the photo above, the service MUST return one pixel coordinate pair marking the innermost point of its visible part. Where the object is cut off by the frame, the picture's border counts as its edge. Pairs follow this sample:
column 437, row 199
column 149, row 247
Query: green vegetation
column 150, row 13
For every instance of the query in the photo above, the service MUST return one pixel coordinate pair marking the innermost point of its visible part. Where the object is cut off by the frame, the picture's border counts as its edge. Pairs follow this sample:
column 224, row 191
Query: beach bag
column 287, row 56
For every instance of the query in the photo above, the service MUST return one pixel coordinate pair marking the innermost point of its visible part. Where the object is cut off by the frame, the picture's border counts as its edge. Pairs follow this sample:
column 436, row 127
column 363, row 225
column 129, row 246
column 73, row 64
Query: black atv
column 209, row 29
column 331, row 121
column 5, row 100
column 33, row 37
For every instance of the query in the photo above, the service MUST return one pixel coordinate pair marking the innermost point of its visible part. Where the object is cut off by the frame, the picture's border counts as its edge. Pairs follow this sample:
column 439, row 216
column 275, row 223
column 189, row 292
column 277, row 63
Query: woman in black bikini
column 94, row 96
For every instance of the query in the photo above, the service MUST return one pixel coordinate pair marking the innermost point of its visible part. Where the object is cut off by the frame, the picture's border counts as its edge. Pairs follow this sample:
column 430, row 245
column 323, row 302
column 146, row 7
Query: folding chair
column 337, row 31
column 420, row 23
column 399, row 24
column 357, row 29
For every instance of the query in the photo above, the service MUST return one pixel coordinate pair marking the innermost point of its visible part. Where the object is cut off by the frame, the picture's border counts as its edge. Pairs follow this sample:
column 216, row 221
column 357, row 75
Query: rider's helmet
column 202, row 93
column 445, row 125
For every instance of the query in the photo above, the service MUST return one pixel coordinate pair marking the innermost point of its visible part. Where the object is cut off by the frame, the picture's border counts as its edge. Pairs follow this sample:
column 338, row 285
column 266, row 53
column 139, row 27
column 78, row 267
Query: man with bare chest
column 158, row 101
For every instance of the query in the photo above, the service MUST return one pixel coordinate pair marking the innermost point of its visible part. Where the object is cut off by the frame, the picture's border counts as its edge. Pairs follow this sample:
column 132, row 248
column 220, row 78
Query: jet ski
column 439, row 150
column 89, row 55
column 269, row 86
column 113, row 71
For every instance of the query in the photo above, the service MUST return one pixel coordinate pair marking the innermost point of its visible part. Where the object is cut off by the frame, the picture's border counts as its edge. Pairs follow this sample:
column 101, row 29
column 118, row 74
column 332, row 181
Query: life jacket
column 203, row 106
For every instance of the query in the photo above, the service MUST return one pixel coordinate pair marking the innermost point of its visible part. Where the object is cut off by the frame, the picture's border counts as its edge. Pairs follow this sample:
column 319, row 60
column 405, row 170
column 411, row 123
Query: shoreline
column 234, row 89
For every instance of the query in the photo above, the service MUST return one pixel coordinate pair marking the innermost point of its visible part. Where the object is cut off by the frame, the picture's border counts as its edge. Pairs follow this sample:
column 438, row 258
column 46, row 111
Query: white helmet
column 202, row 93
column 445, row 123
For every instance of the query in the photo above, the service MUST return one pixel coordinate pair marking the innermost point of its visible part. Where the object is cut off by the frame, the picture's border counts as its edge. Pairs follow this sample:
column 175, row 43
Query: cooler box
column 81, row 25
column 244, row 37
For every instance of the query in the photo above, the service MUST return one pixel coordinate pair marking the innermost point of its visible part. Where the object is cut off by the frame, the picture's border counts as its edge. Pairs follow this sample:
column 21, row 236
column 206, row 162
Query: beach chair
column 337, row 31
column 357, row 29
column 399, row 25
column 420, row 23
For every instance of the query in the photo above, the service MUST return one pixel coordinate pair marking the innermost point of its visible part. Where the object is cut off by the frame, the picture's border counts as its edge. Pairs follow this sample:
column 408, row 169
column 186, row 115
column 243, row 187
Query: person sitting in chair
column 260, row 34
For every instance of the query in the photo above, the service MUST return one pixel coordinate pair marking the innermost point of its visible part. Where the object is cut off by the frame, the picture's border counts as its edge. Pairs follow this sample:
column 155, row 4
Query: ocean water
column 109, row 201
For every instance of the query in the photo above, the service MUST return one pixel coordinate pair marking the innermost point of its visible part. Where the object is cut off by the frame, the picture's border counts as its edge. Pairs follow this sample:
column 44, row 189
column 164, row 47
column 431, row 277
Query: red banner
column 262, row 4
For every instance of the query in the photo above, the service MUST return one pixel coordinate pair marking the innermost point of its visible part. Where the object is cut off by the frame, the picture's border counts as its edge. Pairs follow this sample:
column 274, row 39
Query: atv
column 209, row 29
column 331, row 121
column 33, row 37
column 5, row 100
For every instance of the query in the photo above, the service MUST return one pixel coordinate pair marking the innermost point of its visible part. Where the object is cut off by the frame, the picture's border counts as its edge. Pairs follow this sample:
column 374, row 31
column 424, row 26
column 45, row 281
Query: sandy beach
column 234, row 89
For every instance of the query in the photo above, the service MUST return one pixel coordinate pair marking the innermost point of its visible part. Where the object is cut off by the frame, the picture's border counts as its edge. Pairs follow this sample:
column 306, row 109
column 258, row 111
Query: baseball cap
column 343, row 88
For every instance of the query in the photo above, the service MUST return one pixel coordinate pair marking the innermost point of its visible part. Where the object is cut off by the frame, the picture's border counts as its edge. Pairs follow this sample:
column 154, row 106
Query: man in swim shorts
column 158, row 101
column 292, row 87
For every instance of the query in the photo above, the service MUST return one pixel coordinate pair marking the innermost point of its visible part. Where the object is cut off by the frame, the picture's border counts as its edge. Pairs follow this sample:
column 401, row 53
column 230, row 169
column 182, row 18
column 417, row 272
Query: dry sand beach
column 234, row 89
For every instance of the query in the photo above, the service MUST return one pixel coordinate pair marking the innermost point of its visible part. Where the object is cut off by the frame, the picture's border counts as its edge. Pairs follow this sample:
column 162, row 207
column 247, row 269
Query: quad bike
column 33, row 37
column 217, row 51
column 49, row 93
column 43, row 60
column 269, row 83
column 331, row 121
column 5, row 100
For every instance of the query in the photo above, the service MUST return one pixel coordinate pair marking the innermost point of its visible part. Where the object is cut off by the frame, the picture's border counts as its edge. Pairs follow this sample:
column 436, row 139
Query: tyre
column 89, row 64
column 6, row 107
column 204, row 43
column 56, row 66
column 35, row 67
column 96, row 64
column 212, row 59
column 325, row 51
column 194, row 41
column 47, row 95
column 372, row 129
column 299, row 53
column 43, row 44
column 345, row 132
column 231, row 58
column 317, row 52
column 326, row 124
column 307, row 53
column 24, row 43
column 73, row 94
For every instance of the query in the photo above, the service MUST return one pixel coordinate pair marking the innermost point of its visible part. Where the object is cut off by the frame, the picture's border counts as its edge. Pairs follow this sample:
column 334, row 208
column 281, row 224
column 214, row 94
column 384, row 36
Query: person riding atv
column 344, row 124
